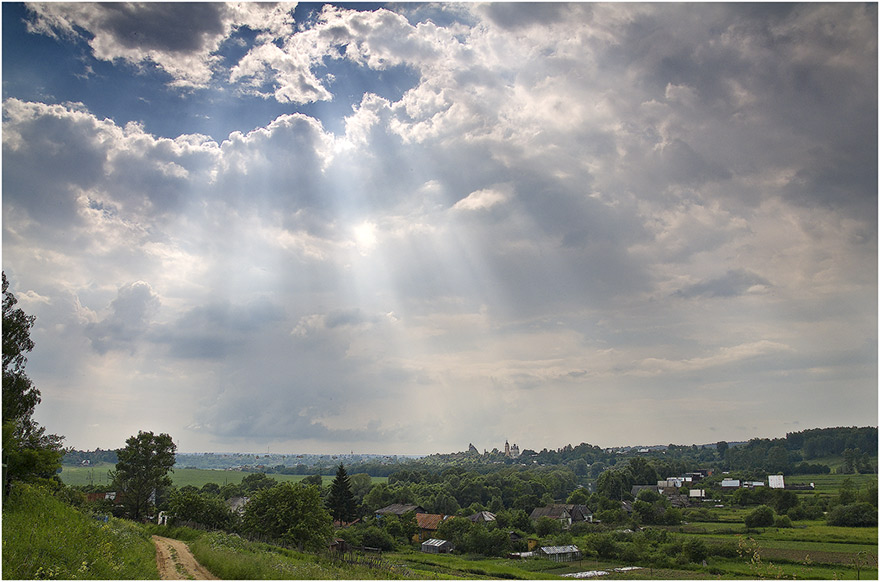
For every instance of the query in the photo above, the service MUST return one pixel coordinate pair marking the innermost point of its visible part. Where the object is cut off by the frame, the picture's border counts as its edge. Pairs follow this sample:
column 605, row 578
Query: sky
column 404, row 228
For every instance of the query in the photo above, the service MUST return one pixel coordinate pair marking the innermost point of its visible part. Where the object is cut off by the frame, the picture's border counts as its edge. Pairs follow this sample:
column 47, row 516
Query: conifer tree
column 340, row 502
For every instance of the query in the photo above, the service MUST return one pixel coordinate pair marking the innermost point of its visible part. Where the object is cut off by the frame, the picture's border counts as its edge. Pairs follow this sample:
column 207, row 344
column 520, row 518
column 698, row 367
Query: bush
column 762, row 516
column 855, row 515
column 782, row 521
column 375, row 537
column 289, row 513
column 603, row 545
column 546, row 526
column 695, row 550
column 723, row 550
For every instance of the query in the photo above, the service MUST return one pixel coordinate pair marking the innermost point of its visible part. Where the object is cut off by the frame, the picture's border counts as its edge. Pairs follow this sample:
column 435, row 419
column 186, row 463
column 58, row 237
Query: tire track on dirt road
column 176, row 562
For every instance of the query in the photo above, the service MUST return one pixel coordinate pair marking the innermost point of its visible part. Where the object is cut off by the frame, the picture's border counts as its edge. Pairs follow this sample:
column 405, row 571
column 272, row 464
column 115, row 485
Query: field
column 97, row 475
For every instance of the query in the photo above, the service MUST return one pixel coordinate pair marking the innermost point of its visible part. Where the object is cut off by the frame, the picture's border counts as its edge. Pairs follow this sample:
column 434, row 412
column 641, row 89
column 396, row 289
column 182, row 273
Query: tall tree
column 289, row 513
column 340, row 502
column 28, row 452
column 142, row 471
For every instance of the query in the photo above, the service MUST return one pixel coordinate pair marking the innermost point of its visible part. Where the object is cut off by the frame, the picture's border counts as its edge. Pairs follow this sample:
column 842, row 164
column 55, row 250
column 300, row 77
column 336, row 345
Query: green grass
column 233, row 558
column 181, row 477
column 45, row 538
column 831, row 483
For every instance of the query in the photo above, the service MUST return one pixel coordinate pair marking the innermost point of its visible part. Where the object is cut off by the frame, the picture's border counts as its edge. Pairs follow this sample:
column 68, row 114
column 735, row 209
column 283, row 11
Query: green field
column 97, row 475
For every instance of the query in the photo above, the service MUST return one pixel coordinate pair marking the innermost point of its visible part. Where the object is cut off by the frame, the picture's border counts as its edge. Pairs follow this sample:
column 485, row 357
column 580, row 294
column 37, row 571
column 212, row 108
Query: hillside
column 44, row 537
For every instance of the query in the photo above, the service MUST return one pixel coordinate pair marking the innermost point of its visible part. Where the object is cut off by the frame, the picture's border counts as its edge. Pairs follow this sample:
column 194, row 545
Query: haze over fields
column 401, row 228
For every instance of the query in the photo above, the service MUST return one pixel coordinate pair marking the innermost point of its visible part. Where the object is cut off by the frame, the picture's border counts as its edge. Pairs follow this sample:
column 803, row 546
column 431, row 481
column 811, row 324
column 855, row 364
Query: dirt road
column 177, row 563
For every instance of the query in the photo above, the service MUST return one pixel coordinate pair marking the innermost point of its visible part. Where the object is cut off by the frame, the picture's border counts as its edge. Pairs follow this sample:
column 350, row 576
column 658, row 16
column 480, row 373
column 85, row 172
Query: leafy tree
column 546, row 526
column 316, row 480
column 289, row 513
column 28, row 453
column 454, row 529
column 340, row 502
column 380, row 495
column 376, row 537
column 695, row 550
column 206, row 509
column 579, row 496
column 360, row 486
column 855, row 515
column 257, row 482
column 142, row 470
column 761, row 516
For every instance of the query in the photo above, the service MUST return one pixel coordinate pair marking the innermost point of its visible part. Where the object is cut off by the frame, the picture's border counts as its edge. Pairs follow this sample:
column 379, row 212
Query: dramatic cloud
column 450, row 213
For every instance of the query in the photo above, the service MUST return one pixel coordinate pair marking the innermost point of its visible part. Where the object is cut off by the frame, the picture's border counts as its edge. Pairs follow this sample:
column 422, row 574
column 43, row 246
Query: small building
column 565, row 513
column 428, row 524
column 561, row 553
column 752, row 484
column 399, row 509
column 482, row 517
column 435, row 546
column 697, row 493
column 730, row 484
column 776, row 481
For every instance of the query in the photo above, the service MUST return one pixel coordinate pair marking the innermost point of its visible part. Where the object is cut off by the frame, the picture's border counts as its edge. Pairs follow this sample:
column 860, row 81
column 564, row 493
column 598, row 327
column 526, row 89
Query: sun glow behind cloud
column 426, row 219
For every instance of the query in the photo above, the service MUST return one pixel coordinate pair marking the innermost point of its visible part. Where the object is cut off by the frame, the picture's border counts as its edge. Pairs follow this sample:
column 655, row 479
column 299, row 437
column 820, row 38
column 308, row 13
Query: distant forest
column 795, row 454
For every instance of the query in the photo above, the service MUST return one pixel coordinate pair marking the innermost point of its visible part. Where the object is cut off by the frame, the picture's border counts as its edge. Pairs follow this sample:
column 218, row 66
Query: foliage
column 340, row 501
column 142, row 470
column 761, row 516
column 257, row 482
column 376, row 537
column 546, row 526
column 293, row 514
column 204, row 508
column 46, row 538
column 317, row 480
column 855, row 515
column 28, row 452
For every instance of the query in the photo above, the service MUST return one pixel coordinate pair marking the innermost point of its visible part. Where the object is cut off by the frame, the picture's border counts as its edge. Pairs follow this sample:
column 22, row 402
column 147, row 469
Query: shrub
column 782, row 521
column 695, row 550
column 723, row 550
column 855, row 515
column 375, row 537
column 603, row 545
column 290, row 513
column 762, row 516
column 546, row 526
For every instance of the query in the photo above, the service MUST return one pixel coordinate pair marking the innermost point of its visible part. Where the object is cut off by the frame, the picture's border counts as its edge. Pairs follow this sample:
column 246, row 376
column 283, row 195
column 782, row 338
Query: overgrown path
column 176, row 562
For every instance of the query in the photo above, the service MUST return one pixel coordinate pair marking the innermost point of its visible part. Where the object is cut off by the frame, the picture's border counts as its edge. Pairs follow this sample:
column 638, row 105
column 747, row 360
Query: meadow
column 44, row 538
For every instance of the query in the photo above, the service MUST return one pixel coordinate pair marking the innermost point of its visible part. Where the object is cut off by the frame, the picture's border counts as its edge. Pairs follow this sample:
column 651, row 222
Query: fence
column 370, row 558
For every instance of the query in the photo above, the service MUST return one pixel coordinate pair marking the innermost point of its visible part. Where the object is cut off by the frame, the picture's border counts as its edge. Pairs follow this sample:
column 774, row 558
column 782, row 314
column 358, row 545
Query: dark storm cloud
column 182, row 27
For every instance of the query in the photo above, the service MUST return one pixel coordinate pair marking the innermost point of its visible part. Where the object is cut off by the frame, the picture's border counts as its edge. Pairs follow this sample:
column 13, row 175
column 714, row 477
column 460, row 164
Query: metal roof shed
column 561, row 553
column 435, row 546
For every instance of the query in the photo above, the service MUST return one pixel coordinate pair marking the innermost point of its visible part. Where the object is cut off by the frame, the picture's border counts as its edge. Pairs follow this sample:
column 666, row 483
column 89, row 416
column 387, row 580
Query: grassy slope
column 181, row 477
column 45, row 538
column 233, row 558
